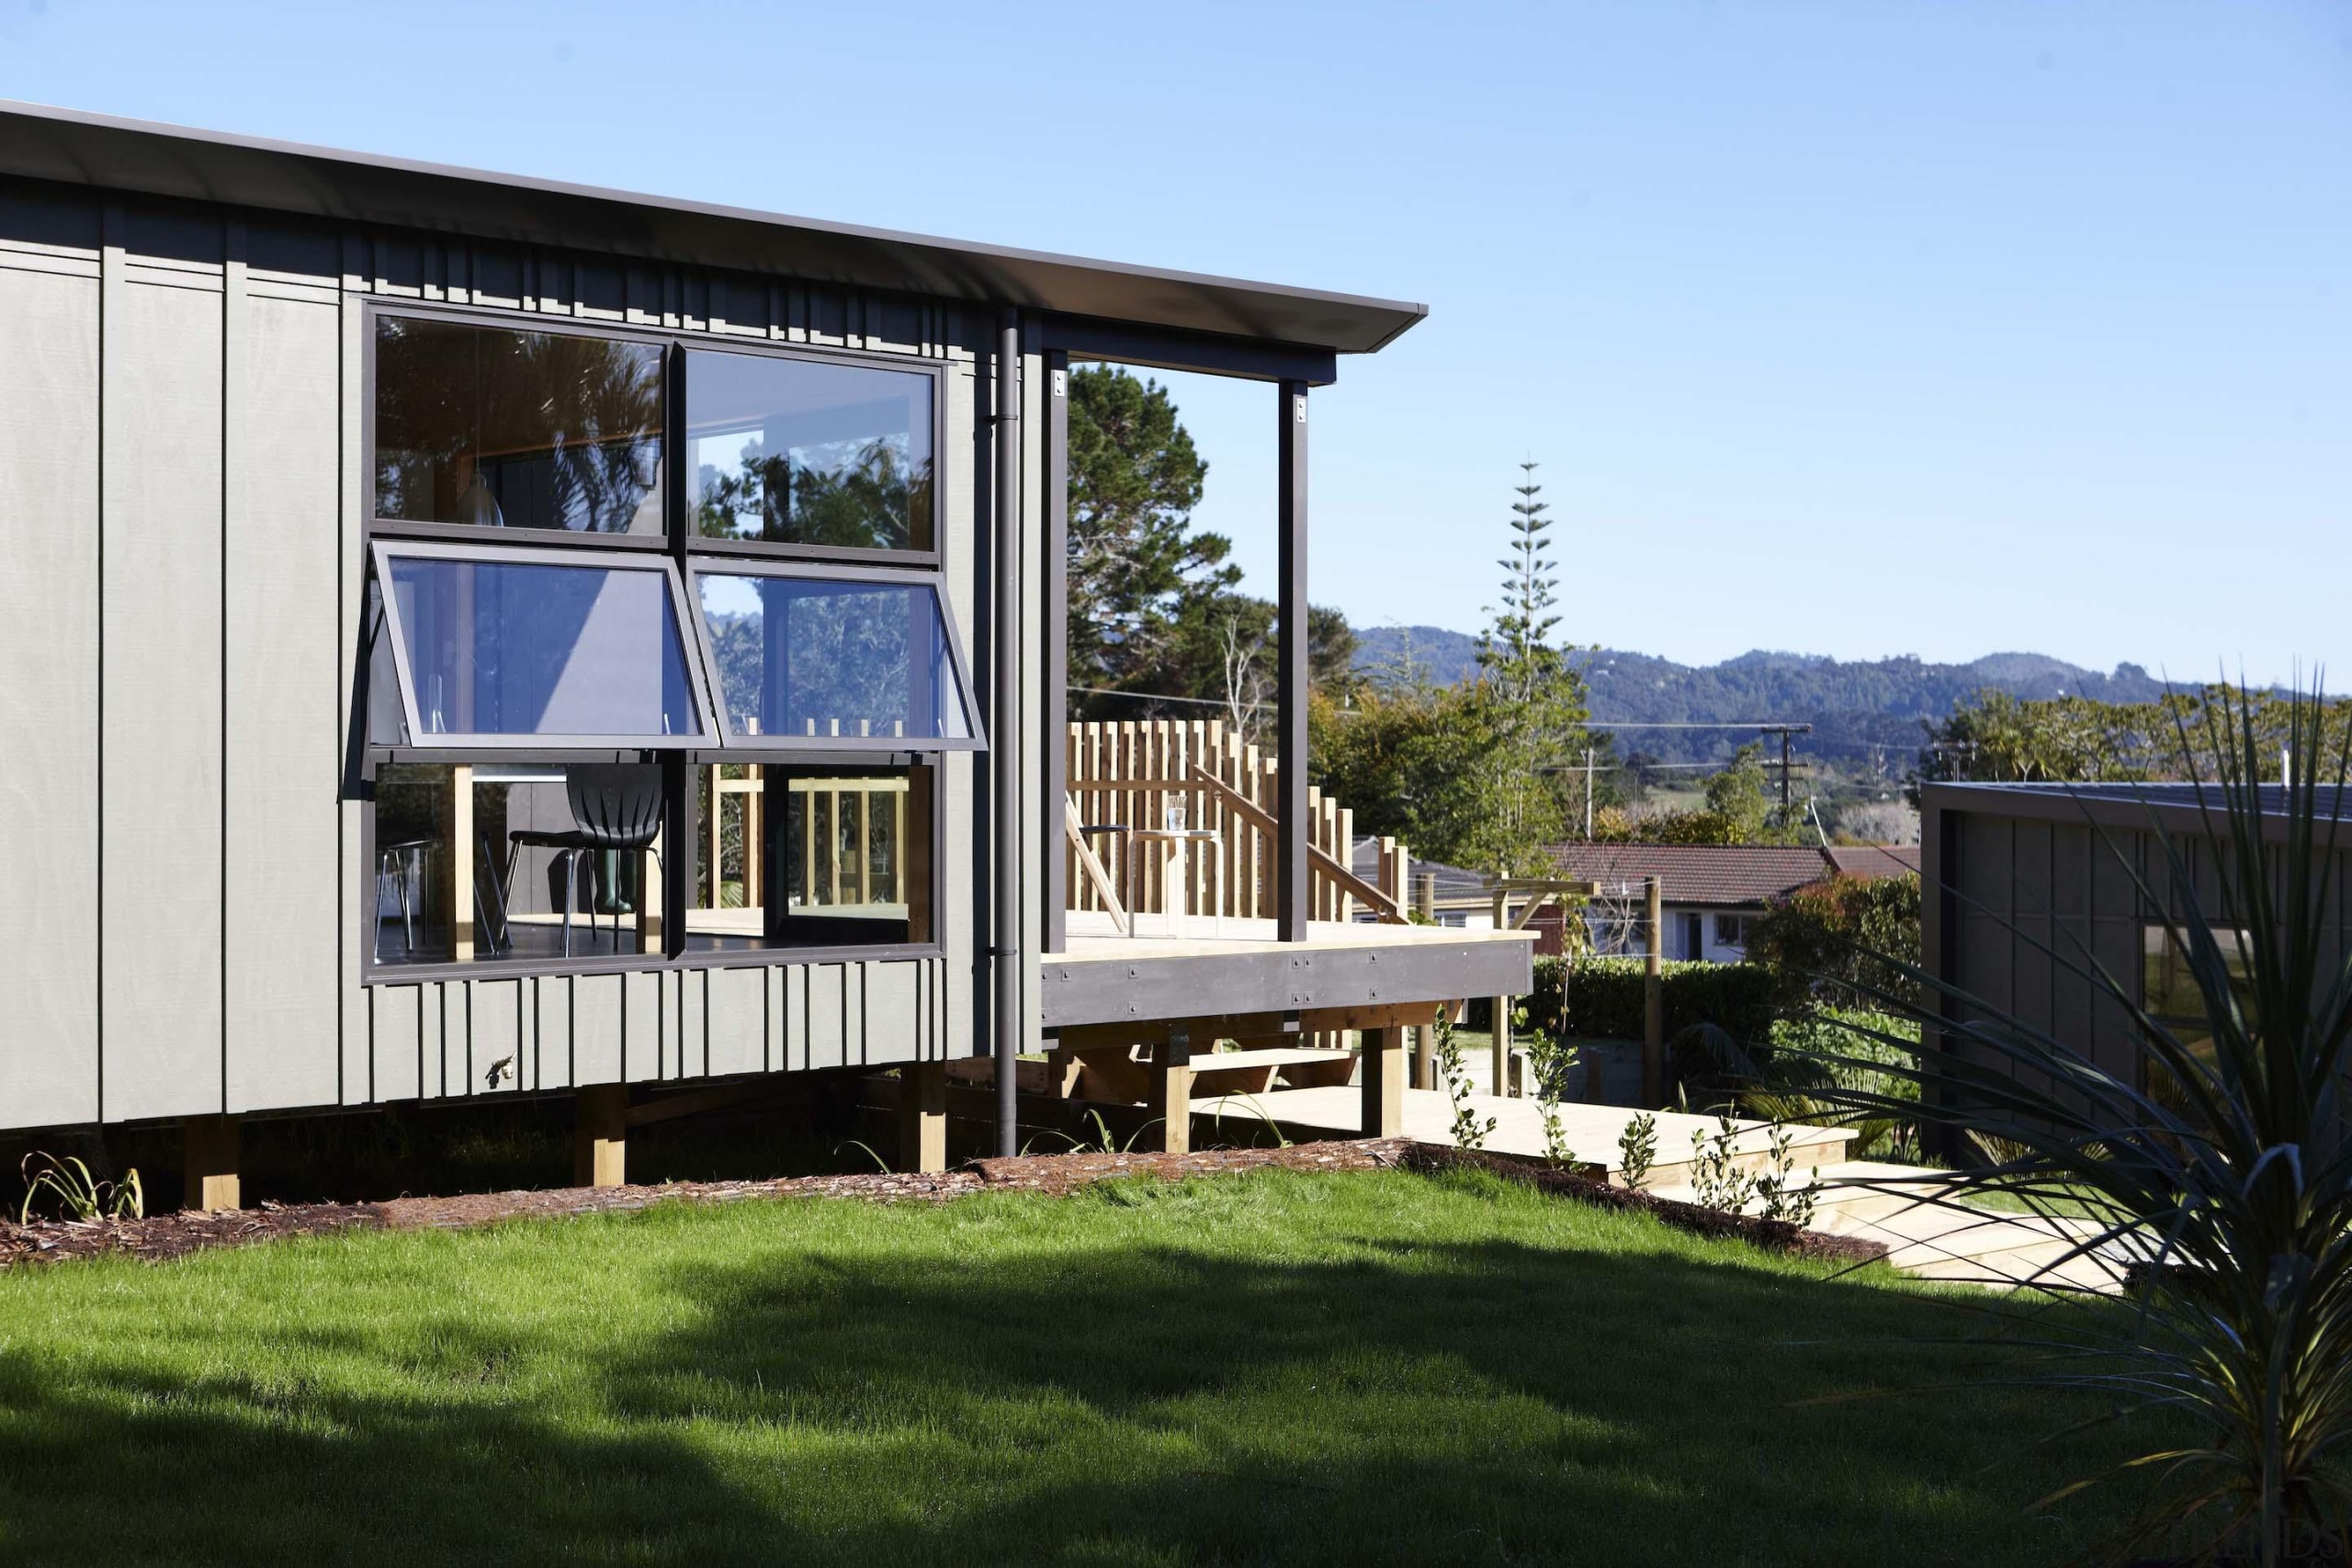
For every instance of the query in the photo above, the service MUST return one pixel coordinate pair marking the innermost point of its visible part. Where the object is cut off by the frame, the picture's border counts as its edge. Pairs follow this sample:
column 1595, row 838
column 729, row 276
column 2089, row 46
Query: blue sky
column 1850, row 328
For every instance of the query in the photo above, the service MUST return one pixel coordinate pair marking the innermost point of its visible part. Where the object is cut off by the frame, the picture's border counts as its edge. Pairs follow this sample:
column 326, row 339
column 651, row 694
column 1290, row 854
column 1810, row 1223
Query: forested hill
column 1857, row 708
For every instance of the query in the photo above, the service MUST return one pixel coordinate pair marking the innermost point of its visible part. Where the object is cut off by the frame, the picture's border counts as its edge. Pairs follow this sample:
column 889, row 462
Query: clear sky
column 1850, row 328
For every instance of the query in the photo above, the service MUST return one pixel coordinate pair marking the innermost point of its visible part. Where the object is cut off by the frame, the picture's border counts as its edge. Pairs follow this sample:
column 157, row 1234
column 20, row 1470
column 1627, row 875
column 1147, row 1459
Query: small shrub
column 1783, row 1198
column 1553, row 1060
column 1637, row 1149
column 78, row 1194
column 1469, row 1133
column 1716, row 1181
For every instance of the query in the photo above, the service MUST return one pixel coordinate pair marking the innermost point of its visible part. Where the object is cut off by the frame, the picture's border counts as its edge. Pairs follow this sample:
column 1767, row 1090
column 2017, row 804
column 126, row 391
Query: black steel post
column 1004, row 980
column 1290, row 703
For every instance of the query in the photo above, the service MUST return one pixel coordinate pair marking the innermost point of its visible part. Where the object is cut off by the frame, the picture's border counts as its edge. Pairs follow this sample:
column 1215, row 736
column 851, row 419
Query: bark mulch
column 176, row 1234
column 163, row 1237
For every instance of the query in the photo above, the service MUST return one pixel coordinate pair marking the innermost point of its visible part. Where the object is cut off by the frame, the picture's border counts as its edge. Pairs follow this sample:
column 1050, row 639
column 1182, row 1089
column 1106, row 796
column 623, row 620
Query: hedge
column 1604, row 998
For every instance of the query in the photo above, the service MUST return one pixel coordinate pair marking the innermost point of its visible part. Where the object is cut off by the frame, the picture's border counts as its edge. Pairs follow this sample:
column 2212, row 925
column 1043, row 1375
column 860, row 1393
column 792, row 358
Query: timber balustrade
column 1142, row 774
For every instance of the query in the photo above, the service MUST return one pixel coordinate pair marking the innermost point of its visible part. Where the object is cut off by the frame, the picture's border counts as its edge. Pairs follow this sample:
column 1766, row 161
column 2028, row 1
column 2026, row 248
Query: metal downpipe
column 1005, row 744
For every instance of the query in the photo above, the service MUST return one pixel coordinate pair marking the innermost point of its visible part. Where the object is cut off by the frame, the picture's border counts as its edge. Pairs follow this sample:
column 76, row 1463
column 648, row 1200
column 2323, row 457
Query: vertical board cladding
column 49, row 683
column 160, row 801
column 184, row 491
column 283, row 901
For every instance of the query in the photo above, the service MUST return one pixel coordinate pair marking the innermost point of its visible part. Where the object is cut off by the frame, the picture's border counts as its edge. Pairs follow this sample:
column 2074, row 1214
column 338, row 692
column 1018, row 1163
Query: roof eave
column 114, row 153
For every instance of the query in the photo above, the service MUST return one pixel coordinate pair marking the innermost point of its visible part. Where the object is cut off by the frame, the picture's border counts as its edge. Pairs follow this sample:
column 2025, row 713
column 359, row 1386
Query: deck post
column 1654, row 999
column 1292, row 615
column 1384, row 1084
column 208, row 1163
column 600, row 1138
column 923, row 1117
column 1499, row 1055
column 1171, row 1093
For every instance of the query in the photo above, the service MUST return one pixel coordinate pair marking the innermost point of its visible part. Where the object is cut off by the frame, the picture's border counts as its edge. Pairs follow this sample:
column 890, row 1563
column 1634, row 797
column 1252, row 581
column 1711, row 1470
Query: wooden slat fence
column 1131, row 774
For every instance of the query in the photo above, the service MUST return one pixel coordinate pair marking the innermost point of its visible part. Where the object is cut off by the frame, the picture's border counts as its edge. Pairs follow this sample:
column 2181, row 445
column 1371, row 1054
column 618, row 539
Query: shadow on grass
column 983, row 1396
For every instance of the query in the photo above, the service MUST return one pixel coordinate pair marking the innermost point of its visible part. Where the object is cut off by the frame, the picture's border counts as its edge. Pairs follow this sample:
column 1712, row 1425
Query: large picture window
column 499, row 427
column 794, row 451
column 601, row 715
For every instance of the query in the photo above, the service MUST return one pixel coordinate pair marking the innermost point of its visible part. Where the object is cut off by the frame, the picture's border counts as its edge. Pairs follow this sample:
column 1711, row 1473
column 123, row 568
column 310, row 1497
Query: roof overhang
column 105, row 152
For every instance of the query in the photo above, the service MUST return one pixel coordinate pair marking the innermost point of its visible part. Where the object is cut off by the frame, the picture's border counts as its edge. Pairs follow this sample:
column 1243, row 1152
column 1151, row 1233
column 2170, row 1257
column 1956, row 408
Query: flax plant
column 2215, row 1191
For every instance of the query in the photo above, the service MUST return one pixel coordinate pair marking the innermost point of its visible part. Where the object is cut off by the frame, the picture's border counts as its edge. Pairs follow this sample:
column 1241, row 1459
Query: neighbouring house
column 1709, row 892
column 2031, row 889
column 470, row 636
column 1448, row 895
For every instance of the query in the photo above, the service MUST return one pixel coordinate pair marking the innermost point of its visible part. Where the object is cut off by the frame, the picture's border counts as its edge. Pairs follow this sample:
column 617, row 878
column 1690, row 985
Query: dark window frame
column 683, row 553
column 752, row 748
column 680, row 389
column 380, row 525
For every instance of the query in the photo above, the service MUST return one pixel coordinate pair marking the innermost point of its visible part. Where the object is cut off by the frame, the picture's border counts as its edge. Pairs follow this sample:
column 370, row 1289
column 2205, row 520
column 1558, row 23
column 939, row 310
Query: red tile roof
column 1725, row 874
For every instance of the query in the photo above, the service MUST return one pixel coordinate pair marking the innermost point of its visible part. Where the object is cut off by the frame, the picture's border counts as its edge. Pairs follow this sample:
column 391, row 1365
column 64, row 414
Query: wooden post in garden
column 600, row 1140
column 1170, row 1101
column 923, row 1117
column 208, row 1163
column 1501, row 1052
column 1654, row 1000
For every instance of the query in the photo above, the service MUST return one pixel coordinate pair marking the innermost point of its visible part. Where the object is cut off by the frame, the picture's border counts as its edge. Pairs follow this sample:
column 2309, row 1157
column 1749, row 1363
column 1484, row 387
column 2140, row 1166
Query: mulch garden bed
column 176, row 1234
column 162, row 1236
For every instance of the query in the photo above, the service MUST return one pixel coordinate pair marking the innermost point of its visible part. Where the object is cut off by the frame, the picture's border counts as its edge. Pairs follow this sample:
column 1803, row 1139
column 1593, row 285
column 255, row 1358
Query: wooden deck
column 1210, row 967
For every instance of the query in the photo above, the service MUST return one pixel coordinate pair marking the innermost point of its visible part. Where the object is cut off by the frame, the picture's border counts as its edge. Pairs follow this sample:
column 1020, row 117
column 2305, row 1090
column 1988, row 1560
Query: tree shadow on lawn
column 808, row 1402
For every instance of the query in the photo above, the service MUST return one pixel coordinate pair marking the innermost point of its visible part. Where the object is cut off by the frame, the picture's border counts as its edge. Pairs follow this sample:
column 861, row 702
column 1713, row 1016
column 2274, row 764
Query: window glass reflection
column 500, row 428
column 523, row 647
column 796, row 452
column 829, row 658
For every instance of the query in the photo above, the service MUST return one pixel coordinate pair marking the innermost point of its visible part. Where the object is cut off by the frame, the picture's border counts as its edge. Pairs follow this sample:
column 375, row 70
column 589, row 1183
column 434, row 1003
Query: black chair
column 615, row 808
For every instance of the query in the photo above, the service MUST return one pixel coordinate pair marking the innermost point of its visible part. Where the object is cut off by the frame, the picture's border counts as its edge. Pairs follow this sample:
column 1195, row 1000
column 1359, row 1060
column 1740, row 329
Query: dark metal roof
column 2166, row 796
column 144, row 157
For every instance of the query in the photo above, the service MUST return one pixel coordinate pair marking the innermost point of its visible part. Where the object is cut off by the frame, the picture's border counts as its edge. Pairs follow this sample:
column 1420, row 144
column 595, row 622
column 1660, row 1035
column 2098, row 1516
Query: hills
column 1865, row 713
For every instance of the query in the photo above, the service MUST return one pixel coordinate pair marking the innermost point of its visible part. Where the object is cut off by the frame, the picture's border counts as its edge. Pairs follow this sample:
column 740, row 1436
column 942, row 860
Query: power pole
column 1587, row 795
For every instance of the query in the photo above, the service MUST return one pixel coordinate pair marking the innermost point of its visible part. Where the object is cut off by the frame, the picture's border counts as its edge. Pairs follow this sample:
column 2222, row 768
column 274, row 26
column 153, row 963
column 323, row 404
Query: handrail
column 1260, row 817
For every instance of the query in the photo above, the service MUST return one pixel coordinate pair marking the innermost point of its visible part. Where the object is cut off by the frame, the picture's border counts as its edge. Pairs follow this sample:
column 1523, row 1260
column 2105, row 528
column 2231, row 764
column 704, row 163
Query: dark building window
column 503, row 428
column 806, row 452
column 2169, row 993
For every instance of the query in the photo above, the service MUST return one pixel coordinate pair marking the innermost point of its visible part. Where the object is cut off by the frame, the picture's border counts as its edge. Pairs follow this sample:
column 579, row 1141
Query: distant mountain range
column 1862, row 712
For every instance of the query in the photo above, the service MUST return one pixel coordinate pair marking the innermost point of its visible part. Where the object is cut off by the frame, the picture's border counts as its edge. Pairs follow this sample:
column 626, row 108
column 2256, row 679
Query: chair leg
column 570, row 895
column 412, row 874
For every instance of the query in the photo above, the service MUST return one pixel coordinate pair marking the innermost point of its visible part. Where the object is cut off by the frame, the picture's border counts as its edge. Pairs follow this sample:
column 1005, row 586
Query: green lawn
column 1371, row 1368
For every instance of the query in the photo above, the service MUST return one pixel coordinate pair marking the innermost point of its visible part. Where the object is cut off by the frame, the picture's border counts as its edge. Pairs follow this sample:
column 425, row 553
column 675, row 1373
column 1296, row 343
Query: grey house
column 469, row 636
column 2031, row 891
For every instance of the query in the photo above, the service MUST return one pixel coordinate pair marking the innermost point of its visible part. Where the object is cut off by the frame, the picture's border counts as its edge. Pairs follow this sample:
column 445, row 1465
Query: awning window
column 807, row 657
column 541, row 648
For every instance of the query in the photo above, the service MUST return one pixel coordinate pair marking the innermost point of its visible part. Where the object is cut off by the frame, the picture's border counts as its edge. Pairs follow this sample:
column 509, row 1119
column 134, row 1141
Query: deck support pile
column 209, row 1158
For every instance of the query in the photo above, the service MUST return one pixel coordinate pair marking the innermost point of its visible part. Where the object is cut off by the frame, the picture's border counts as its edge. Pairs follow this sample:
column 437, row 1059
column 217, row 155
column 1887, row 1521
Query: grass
column 1367, row 1368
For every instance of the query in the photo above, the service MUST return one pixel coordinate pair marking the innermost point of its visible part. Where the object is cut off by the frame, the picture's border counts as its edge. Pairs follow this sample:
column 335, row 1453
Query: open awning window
column 810, row 658
column 494, row 647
